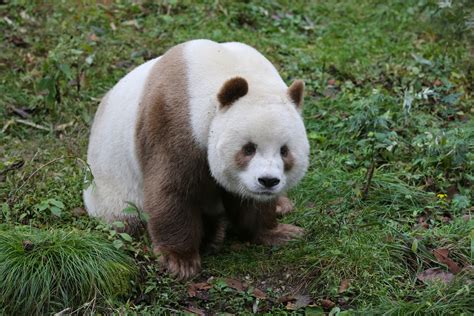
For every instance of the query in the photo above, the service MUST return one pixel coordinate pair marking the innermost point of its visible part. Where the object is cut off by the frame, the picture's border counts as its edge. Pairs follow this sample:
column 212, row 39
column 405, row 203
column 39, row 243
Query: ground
column 387, row 201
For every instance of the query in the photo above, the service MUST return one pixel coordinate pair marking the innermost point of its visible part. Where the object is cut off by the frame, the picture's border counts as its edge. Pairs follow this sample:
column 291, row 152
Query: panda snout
column 268, row 182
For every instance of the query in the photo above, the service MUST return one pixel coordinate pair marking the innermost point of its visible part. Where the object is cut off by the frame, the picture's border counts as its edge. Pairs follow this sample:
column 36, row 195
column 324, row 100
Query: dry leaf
column 302, row 301
column 435, row 274
column 259, row 294
column 422, row 221
column 237, row 246
column 195, row 310
column 93, row 37
column 78, row 211
column 295, row 302
column 234, row 284
column 286, row 298
column 442, row 255
column 62, row 127
column 327, row 304
column 343, row 286
column 291, row 306
column 195, row 287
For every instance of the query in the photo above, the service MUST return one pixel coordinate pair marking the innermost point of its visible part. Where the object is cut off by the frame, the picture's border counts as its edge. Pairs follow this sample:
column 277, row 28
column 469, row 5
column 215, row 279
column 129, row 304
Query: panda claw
column 179, row 267
column 280, row 235
column 284, row 206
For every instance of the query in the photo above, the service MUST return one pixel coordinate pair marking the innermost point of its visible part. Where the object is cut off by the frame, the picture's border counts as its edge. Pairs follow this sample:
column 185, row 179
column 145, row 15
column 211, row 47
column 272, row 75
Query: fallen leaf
column 446, row 218
column 234, row 284
column 195, row 310
column 294, row 302
column 422, row 221
column 437, row 83
column 302, row 301
column 62, row 127
column 435, row 274
column 195, row 287
column 343, row 286
column 237, row 246
column 442, row 255
column 259, row 294
column 286, row 298
column 78, row 211
column 93, row 37
column 291, row 306
column 327, row 304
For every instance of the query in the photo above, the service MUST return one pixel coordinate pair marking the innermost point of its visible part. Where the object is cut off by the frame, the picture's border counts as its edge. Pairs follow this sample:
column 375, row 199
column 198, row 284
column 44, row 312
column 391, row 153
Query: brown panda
column 206, row 134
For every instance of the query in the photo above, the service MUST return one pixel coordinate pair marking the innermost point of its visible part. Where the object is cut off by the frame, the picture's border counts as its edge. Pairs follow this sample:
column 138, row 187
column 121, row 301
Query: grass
column 57, row 269
column 389, row 89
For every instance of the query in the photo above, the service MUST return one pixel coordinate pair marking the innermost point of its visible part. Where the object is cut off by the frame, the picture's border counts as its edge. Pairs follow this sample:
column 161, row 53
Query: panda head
column 258, row 146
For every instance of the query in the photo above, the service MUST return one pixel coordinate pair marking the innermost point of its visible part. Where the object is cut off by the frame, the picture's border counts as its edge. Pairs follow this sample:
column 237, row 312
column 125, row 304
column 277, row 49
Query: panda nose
column 268, row 182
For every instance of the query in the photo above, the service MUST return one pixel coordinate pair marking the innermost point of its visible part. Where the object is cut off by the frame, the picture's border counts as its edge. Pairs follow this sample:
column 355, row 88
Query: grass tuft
column 52, row 270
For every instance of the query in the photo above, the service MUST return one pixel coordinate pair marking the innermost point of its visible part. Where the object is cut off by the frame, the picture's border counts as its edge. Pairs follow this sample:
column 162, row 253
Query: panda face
column 258, row 150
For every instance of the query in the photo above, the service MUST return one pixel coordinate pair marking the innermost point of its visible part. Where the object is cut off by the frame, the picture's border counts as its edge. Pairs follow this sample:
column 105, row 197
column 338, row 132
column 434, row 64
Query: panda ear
column 232, row 90
column 295, row 92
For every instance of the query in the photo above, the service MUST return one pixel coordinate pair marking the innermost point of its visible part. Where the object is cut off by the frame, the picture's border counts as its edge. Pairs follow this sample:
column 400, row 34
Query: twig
column 29, row 123
column 16, row 165
column 20, row 112
column 370, row 174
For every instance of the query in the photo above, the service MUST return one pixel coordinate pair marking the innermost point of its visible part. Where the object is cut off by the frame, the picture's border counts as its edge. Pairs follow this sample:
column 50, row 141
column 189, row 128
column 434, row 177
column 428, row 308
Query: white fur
column 111, row 154
column 270, row 125
column 217, row 63
column 264, row 116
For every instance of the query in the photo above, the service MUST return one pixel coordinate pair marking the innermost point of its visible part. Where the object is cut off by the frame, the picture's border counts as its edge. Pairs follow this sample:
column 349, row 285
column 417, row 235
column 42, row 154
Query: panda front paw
column 283, row 206
column 280, row 235
column 179, row 266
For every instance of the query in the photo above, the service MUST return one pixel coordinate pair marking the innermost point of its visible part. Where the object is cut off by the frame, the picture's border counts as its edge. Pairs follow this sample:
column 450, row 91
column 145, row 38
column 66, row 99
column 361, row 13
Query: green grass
column 366, row 65
column 56, row 269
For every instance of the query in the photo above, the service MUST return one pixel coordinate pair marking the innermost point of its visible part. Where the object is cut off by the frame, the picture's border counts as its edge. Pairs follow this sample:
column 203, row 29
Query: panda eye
column 284, row 151
column 249, row 149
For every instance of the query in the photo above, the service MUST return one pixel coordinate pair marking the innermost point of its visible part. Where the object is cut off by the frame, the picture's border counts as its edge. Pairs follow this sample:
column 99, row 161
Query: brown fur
column 241, row 159
column 256, row 221
column 176, row 175
column 295, row 91
column 288, row 161
column 232, row 90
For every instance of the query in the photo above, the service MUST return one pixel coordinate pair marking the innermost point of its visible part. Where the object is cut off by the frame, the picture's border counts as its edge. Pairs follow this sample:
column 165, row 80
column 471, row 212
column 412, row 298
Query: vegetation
column 57, row 270
column 387, row 202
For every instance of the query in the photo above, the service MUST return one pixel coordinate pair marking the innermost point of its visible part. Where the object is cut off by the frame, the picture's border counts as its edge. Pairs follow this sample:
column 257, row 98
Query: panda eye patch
column 249, row 149
column 284, row 151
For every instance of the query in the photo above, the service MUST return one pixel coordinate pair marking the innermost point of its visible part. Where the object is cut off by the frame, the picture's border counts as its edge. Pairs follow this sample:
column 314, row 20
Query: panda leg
column 175, row 227
column 256, row 221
